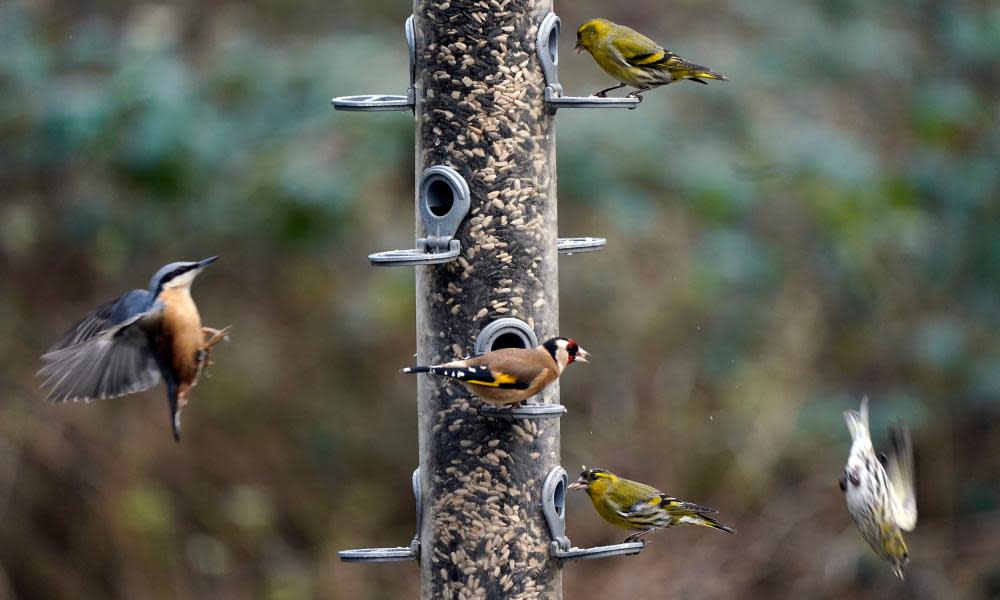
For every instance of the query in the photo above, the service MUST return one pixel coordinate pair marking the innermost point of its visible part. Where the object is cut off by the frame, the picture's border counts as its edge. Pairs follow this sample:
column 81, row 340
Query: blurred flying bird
column 881, row 500
column 634, row 59
column 510, row 375
column 639, row 507
column 132, row 342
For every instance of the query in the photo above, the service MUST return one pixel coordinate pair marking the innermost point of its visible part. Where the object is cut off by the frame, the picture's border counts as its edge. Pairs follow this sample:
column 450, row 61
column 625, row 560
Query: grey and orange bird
column 510, row 375
column 132, row 342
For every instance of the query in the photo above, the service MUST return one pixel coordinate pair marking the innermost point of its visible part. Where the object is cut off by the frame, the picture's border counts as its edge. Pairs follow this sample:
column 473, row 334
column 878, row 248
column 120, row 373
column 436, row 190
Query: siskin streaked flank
column 635, row 60
column 882, row 500
column 639, row 507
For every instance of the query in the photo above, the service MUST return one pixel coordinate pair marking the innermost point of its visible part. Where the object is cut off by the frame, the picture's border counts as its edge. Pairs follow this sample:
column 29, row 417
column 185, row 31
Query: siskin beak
column 578, row 49
column 582, row 355
column 579, row 484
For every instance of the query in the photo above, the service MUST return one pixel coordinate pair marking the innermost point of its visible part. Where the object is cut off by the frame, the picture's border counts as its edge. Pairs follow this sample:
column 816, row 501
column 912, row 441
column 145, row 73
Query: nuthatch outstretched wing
column 132, row 342
column 510, row 375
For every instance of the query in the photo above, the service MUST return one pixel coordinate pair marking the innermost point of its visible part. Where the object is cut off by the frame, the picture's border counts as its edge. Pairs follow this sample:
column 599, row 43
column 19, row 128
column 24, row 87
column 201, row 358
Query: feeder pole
column 479, row 110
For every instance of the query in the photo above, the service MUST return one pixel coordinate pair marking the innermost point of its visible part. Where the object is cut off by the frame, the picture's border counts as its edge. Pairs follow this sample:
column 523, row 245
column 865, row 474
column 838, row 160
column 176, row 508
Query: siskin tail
column 416, row 370
column 705, row 521
column 857, row 422
column 700, row 74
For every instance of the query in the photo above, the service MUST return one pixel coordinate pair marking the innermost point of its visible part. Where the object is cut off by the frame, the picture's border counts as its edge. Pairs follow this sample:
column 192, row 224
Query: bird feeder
column 484, row 91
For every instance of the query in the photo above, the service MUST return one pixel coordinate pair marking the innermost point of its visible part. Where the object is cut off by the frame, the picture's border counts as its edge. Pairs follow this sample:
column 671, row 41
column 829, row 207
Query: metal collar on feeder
column 554, row 510
column 444, row 200
column 547, row 48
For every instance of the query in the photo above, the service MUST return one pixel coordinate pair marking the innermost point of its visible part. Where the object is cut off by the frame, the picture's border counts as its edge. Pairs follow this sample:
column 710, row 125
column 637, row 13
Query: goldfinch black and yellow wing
column 476, row 374
column 489, row 376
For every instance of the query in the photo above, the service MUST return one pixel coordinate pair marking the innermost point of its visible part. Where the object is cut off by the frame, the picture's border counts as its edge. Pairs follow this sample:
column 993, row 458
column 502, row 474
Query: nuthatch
column 128, row 344
column 510, row 375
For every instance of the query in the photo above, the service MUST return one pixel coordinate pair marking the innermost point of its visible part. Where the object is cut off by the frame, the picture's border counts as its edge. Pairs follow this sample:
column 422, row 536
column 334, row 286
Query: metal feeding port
column 547, row 48
column 398, row 554
column 554, row 509
column 512, row 333
column 444, row 199
column 385, row 102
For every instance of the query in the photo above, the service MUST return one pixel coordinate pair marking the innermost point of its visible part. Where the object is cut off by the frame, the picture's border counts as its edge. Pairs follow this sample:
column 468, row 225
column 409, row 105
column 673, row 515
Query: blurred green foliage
column 819, row 228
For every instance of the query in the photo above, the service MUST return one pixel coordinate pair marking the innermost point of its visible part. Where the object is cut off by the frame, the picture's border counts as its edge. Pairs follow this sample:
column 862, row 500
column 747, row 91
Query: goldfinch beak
column 582, row 355
column 578, row 49
column 579, row 484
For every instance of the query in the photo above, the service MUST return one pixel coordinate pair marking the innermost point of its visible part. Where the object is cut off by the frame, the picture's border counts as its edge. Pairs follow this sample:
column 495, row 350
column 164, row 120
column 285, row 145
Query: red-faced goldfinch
column 510, row 375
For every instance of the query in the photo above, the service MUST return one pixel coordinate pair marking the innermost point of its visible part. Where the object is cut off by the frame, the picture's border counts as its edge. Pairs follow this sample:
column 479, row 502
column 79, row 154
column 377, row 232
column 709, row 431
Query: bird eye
column 572, row 347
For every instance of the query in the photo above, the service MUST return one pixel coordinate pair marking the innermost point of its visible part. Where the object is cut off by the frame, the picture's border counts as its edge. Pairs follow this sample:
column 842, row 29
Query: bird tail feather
column 706, row 521
column 416, row 370
column 704, row 73
column 857, row 422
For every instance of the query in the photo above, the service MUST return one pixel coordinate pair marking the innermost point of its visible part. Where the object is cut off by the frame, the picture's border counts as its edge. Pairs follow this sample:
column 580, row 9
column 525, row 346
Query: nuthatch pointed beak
column 204, row 263
column 579, row 484
column 578, row 48
column 582, row 355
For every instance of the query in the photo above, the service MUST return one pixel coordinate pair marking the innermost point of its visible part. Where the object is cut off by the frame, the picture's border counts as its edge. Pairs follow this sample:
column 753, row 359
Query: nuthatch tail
column 132, row 342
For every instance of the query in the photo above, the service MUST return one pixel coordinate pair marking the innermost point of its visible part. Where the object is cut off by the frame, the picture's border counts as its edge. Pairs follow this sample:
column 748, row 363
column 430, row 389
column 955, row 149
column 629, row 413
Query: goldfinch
column 511, row 375
column 634, row 59
column 881, row 500
column 639, row 507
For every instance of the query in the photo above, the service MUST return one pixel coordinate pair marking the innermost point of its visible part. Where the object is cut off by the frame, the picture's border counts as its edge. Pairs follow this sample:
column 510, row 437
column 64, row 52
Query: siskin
column 881, row 500
column 634, row 59
column 639, row 507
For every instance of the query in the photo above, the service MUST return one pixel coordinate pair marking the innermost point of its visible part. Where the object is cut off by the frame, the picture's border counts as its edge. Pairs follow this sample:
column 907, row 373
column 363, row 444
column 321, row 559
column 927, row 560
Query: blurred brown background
column 819, row 228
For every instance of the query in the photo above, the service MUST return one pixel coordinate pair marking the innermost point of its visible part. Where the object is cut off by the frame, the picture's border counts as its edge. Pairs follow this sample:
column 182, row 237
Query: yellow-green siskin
column 634, row 59
column 882, row 501
column 639, row 507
